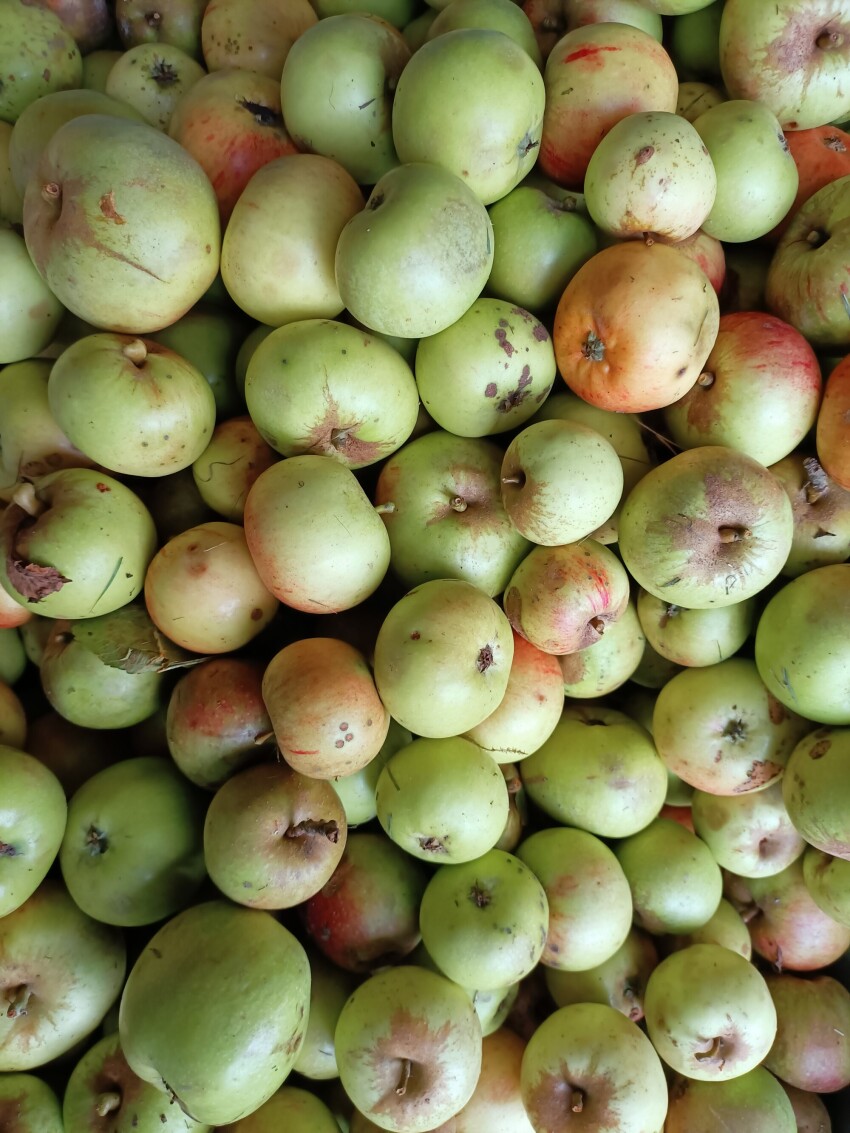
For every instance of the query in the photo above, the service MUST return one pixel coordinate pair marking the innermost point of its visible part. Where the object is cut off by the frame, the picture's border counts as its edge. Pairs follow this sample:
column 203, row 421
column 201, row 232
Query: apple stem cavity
column 312, row 828
column 26, row 499
column 18, row 1001
column 7, row 851
column 135, row 352
column 829, row 40
column 484, row 659
column 406, row 1067
column 733, row 534
column 597, row 624
column 712, row 1052
column 107, row 1103
column 735, row 731
column 576, row 1100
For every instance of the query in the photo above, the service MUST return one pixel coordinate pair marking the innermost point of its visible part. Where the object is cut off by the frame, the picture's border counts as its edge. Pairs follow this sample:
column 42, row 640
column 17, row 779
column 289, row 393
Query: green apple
column 32, row 822
column 590, row 1061
column 828, row 881
column 291, row 1108
column 676, row 884
column 753, row 194
column 347, row 63
column 177, row 1023
column 751, row 834
column 356, row 790
column 484, row 922
column 709, row 1013
column 442, row 800
column 330, row 987
column 599, row 771
column 726, row 927
column 103, row 1093
column 408, row 1044
column 13, row 718
column 60, row 972
column 578, row 871
column 802, row 646
column 443, row 658
column 209, row 339
column 133, row 847
column 152, row 77
column 13, row 658
column 29, row 1105
column 488, row 372
column 821, row 514
column 695, row 42
column 395, row 12
column 178, row 22
column 229, row 465
column 499, row 15
column 418, row 255
column 96, row 68
column 489, row 131
column 29, row 311
column 814, row 789
column 754, row 1100
column 540, row 243
column 695, row 637
column 617, row 982
column 695, row 98
column 11, row 200
column 38, row 55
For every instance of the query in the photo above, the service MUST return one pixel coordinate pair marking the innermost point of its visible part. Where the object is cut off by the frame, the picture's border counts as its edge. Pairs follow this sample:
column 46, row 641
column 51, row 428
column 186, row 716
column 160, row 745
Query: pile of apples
column 424, row 584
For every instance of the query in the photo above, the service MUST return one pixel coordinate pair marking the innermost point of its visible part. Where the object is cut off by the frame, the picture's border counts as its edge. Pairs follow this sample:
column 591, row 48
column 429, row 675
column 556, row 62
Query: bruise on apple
column 558, row 1103
column 32, row 581
column 13, row 1112
column 113, row 1088
column 409, row 1085
column 330, row 436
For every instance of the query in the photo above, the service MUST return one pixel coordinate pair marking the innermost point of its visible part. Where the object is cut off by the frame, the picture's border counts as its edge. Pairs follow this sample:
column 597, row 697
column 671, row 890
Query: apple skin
column 588, row 1064
column 832, row 425
column 827, row 879
column 330, row 987
column 618, row 981
column 39, row 56
column 821, row 514
column 811, row 1114
column 814, row 789
column 96, row 171
column 752, row 835
column 229, row 465
column 606, row 665
column 708, row 527
column 153, row 78
column 695, row 98
column 496, row 1105
column 759, row 392
column 801, row 646
column 33, row 823
column 216, row 1073
column 755, row 1099
column 726, row 927
column 408, row 1045
column 791, row 59
column 695, row 637
column 29, row 311
column 29, row 1105
column 709, row 1013
column 264, row 34
column 291, row 1108
column 418, row 255
column 811, row 1050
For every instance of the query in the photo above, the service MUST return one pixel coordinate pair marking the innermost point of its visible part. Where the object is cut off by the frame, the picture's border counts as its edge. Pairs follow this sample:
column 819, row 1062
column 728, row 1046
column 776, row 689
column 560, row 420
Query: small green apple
column 32, row 823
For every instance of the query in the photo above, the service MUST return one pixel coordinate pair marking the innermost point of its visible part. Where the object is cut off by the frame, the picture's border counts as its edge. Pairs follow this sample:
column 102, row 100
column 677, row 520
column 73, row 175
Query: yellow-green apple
column 695, row 98
column 811, row 1051
column 29, row 311
column 496, row 1104
column 265, row 37
column 754, row 1099
column 618, row 981
column 694, row 41
column 726, row 927
column 330, row 987
column 695, row 637
column 752, row 834
column 229, row 465
column 38, row 55
column 814, row 789
column 500, row 15
column 28, row 1103
column 152, row 78
column 827, row 879
column 172, row 21
column 606, row 665
column 31, row 827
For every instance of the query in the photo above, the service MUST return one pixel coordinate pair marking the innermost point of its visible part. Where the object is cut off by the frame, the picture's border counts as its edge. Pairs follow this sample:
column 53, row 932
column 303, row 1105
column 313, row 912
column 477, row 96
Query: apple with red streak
column 707, row 253
column 231, row 123
column 812, row 1046
column 367, row 914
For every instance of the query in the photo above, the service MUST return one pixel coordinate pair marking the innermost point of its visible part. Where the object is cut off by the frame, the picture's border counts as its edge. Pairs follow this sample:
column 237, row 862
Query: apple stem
column 18, row 1001
column 712, row 1052
column 401, row 1088
column 817, row 484
column 135, row 351
column 519, row 479
column 458, row 503
column 107, row 1103
column 733, row 534
column 385, row 509
column 312, row 827
column 829, row 39
column 263, row 738
column 576, row 1100
column 26, row 499
column 706, row 379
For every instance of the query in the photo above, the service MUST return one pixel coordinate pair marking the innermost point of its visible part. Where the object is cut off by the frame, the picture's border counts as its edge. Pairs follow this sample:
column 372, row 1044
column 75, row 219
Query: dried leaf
column 32, row 581
column 127, row 639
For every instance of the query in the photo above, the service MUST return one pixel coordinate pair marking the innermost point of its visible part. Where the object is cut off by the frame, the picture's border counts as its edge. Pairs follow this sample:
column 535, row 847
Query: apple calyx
column 96, row 842
column 479, row 896
column 263, row 115
column 7, row 851
column 107, row 1103
column 593, row 348
column 153, row 19
column 733, row 534
column 313, row 828
column 526, row 145
column 136, row 352
column 51, row 192
column 670, row 611
column 735, row 731
column 712, row 1052
column 163, row 73
column 431, row 844
column 18, row 999
column 484, row 659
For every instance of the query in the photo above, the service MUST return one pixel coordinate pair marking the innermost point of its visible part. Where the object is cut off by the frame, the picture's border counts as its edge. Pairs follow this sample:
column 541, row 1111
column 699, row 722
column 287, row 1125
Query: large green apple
column 32, row 822
column 122, row 223
column 418, row 255
column 37, row 55
column 487, row 131
column 499, row 15
column 215, row 1008
column 29, row 311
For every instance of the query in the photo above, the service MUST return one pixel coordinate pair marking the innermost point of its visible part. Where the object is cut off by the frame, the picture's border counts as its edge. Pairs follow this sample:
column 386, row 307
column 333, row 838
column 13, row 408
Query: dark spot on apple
column 484, row 659
column 490, row 390
column 540, row 332
column 415, row 635
column 108, row 209
column 432, row 845
column 256, row 614
column 163, row 73
column 7, row 850
column 502, row 339
column 263, row 115
column 818, row 750
column 644, row 154
column 375, row 201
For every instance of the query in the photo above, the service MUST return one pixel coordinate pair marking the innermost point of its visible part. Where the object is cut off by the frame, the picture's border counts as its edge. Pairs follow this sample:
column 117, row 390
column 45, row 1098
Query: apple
column 726, row 927
column 708, row 527
column 29, row 311
column 695, row 637
column 826, row 879
column 484, row 922
column 266, row 37
column 540, row 243
column 759, row 392
column 321, row 387
column 587, row 1065
column 488, row 372
column 216, row 1073
column 751, row 834
column 754, row 1099
column 38, row 56
column 28, row 1103
column 442, row 800
column 594, row 76
column 598, row 771
column 357, row 790
column 575, row 869
column 811, row 1114
column 443, row 658
column 801, row 646
column 291, row 211
column 229, row 465
column 408, row 1044
column 709, row 1013
column 347, row 63
column 13, row 718
column 651, row 173
column 330, row 987
column 618, row 981
column 418, row 255
column 811, row 1050
column 718, row 728
column 634, row 12
column 502, row 15
column 813, row 789
column 60, row 973
column 307, row 686
column 694, row 41
column 790, row 58
column 32, row 823
column 606, row 665
column 496, row 1103
column 88, row 180
column 291, row 1108
column 491, row 134
column 675, row 882
column 821, row 514
column 831, row 433
column 366, row 916
column 695, row 98
column 634, row 326
column 563, row 598
column 399, row 13
column 72, row 753
column 152, row 78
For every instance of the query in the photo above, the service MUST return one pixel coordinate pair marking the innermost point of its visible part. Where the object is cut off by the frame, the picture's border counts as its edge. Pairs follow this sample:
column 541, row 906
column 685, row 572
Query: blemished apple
column 32, row 823
column 330, row 987
column 827, row 879
column 751, row 834
column 695, row 637
column 587, row 1064
column 618, row 982
column 755, row 1100
column 814, row 789
column 821, row 514
column 408, row 1045
column 29, row 1103
column 726, row 927
column 811, row 1050
column 606, row 665
column 709, row 1013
